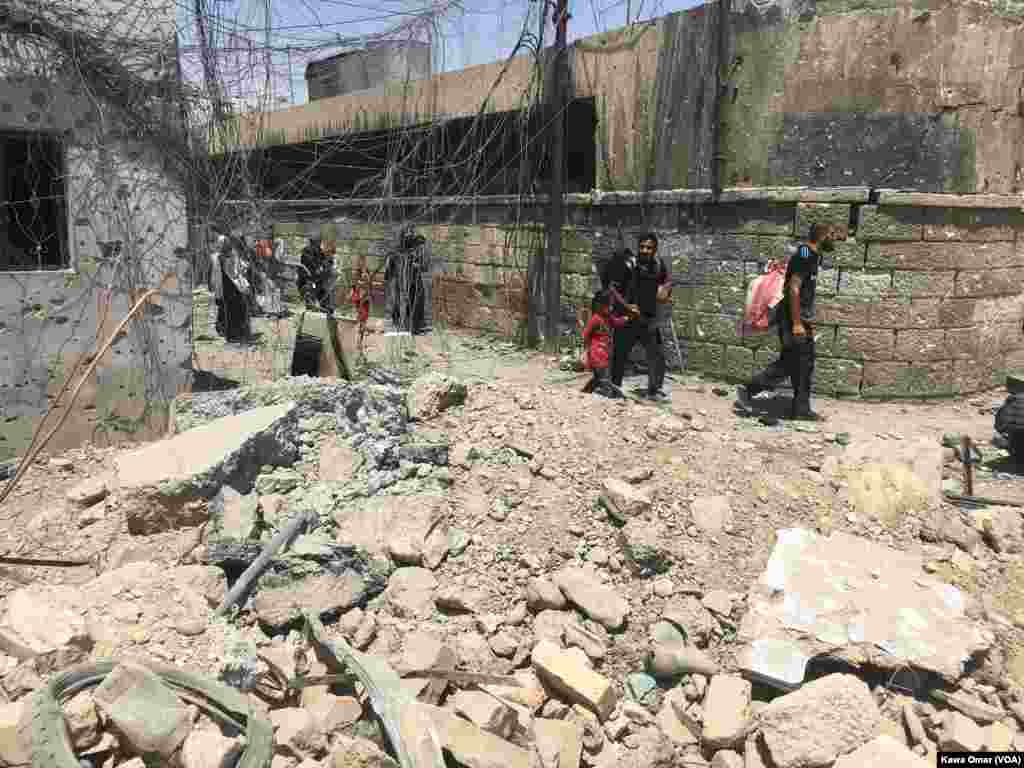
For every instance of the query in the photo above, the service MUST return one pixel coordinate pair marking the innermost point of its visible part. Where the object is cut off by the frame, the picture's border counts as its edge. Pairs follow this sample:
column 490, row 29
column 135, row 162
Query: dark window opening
column 33, row 209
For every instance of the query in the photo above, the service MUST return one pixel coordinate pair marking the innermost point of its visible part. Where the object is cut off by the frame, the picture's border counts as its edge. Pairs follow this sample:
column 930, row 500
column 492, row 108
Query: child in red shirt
column 360, row 298
column 597, row 341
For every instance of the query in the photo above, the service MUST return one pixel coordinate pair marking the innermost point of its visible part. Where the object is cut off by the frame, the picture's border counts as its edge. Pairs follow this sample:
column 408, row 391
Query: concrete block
column 902, row 380
column 918, row 284
column 989, row 282
column 837, row 376
column 882, row 750
column 833, row 214
column 726, row 711
column 889, row 223
column 714, row 328
column 843, row 310
column 569, row 676
column 559, row 742
column 962, row 343
column 960, row 733
column 869, row 343
column 870, row 285
column 752, row 218
column 145, row 712
column 971, row 224
column 487, row 712
column 706, row 357
column 739, row 363
column 919, row 345
column 892, row 312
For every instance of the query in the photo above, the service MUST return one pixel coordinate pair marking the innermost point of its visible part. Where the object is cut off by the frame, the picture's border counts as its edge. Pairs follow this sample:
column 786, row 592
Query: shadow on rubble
column 206, row 381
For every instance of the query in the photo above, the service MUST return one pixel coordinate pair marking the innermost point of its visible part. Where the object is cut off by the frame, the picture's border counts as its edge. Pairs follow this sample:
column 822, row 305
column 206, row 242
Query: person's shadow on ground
column 772, row 409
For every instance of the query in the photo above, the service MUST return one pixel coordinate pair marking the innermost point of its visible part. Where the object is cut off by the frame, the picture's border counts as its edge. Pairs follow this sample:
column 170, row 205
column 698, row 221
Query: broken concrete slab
column 584, row 590
column 883, row 750
column 339, row 461
column 329, row 580
column 570, row 676
column 726, row 711
column 472, row 746
column 976, row 709
column 157, row 485
column 45, row 624
column 561, row 740
column 815, row 725
column 408, row 528
column 233, row 516
column 960, row 733
column 146, row 714
column 679, row 731
column 410, row 593
column 209, row 748
column 827, row 594
column 487, row 712
column 529, row 694
column 296, row 732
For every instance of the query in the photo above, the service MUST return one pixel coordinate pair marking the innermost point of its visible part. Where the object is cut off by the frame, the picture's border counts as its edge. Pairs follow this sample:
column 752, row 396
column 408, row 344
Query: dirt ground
column 772, row 476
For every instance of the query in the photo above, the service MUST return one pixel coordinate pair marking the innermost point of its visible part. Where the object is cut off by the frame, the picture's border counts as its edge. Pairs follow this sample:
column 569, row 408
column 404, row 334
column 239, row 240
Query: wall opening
column 33, row 202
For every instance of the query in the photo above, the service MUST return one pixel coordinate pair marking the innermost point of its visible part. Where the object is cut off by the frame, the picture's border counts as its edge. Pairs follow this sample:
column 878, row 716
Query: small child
column 360, row 298
column 596, row 339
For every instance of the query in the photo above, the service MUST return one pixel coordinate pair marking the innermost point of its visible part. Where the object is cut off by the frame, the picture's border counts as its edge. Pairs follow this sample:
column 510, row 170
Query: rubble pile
column 511, row 603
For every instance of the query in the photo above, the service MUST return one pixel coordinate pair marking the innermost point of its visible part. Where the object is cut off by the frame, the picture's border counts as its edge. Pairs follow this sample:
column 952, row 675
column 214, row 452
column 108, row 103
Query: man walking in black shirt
column 796, row 329
column 647, row 286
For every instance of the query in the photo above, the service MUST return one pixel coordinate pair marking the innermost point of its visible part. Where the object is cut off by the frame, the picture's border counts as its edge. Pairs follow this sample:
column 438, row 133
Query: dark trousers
column 644, row 331
column 796, row 363
column 600, row 384
column 408, row 312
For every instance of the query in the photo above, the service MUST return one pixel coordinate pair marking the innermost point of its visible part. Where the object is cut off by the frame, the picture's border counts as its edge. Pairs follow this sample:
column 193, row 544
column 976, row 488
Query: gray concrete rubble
column 156, row 484
column 855, row 600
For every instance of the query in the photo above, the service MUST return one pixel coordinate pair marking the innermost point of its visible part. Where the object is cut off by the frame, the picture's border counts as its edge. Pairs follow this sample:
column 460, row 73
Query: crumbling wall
column 922, row 298
column 126, row 230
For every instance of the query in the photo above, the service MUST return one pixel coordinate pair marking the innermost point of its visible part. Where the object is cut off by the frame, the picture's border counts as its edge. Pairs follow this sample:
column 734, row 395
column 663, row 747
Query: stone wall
column 922, row 298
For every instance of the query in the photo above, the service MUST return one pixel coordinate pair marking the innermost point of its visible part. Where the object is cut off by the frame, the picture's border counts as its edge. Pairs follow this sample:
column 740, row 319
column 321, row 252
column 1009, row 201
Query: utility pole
column 291, row 78
column 528, row 166
column 553, row 292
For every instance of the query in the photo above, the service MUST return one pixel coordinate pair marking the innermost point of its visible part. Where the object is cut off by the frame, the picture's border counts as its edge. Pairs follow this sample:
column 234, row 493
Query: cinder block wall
column 922, row 298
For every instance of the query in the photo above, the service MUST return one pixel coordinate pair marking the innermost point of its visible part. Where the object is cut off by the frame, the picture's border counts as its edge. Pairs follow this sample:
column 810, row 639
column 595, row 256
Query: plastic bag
column 763, row 297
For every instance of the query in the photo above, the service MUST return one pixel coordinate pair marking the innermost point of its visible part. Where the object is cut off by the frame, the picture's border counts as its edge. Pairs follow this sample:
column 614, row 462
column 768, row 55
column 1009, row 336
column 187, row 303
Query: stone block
column 957, row 313
column 833, row 214
column 918, row 284
column 971, row 224
column 569, row 675
column 833, row 375
column 715, row 328
column 706, row 357
column 962, row 343
column 882, row 750
column 989, row 282
column 889, row 312
column 751, row 218
column 890, row 223
column 869, row 343
column 902, row 380
column 739, row 363
column 974, row 375
column 917, row 345
column 15, row 739
column 726, row 712
column 704, row 298
column 843, row 310
column 870, row 285
column 924, row 313
column 959, row 733
column 925, row 256
column 145, row 712
column 732, row 299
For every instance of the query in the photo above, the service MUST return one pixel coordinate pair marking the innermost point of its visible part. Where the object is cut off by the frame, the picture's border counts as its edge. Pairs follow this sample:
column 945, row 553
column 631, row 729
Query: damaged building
column 94, row 214
column 728, row 129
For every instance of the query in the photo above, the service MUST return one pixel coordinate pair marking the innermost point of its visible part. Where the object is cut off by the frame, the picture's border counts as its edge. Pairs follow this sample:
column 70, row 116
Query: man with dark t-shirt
column 647, row 285
column 796, row 329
